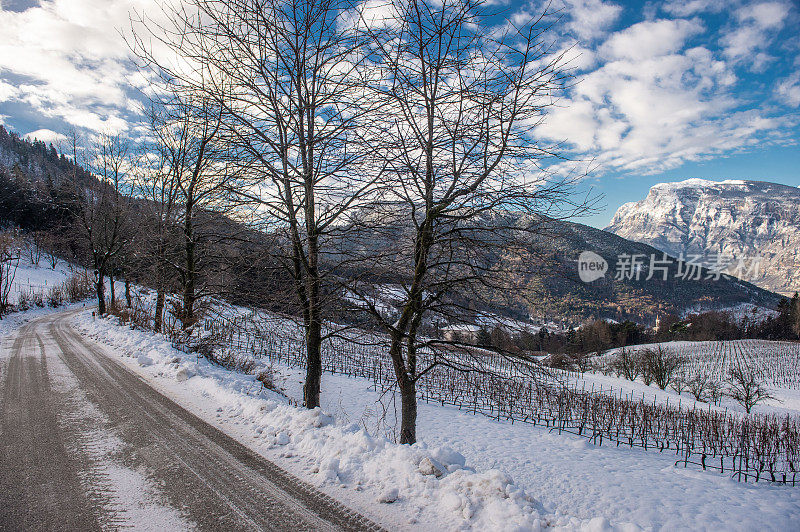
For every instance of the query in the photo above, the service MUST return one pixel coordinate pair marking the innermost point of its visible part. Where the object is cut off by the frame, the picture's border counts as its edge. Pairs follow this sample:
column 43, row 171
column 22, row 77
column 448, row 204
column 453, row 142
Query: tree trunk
column 159, row 317
column 189, row 287
column 311, row 389
column 408, row 419
column 113, row 292
column 128, row 298
column 100, row 286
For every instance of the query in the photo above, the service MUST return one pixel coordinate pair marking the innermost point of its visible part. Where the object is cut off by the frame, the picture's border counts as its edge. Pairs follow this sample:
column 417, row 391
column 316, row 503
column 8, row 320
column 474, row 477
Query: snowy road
column 85, row 444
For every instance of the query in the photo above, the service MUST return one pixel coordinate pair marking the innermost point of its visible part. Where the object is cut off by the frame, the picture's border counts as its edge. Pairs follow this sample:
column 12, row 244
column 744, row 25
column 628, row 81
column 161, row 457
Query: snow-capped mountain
column 727, row 222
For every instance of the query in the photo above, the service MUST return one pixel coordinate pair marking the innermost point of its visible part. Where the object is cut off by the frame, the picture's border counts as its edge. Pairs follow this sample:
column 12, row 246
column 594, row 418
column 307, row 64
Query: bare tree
column 200, row 185
column 49, row 241
column 33, row 246
column 745, row 389
column 700, row 385
column 155, row 182
column 625, row 364
column 463, row 195
column 286, row 78
column 9, row 260
column 184, row 183
column 101, row 211
column 660, row 366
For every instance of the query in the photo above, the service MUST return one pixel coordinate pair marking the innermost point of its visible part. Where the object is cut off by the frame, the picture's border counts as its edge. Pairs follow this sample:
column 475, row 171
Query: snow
column 337, row 452
column 699, row 183
column 31, row 278
column 467, row 472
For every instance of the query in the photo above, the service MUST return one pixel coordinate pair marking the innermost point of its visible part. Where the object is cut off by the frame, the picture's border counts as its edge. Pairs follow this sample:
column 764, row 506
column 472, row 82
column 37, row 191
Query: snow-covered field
column 467, row 471
column 39, row 279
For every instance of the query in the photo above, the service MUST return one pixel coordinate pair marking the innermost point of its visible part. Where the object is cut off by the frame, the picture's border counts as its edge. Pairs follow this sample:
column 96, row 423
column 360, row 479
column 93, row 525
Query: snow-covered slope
column 32, row 278
column 739, row 219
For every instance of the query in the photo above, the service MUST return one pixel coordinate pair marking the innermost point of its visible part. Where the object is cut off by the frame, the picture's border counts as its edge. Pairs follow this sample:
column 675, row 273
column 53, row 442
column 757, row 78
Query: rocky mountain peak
column 722, row 221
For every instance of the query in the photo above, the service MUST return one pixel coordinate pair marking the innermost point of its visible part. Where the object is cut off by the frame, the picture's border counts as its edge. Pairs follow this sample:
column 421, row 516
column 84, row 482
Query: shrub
column 24, row 301
column 55, row 296
column 680, row 383
column 266, row 376
column 625, row 364
column 77, row 288
column 698, row 385
column 558, row 361
column 37, row 299
column 228, row 360
column 745, row 389
column 660, row 366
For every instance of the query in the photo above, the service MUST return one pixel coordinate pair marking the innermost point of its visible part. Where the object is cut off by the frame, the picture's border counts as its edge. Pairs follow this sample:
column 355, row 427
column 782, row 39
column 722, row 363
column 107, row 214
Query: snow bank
column 420, row 481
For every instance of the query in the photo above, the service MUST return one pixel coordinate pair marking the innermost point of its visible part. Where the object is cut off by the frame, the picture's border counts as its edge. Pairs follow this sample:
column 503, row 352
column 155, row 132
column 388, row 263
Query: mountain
column 625, row 292
column 730, row 219
column 544, row 282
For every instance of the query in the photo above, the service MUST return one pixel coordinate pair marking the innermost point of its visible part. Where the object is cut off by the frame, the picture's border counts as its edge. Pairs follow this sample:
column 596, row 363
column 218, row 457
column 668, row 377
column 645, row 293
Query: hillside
column 558, row 290
column 736, row 219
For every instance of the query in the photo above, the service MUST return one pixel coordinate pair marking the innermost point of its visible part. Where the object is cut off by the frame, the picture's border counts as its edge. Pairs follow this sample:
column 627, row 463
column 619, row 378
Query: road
column 85, row 444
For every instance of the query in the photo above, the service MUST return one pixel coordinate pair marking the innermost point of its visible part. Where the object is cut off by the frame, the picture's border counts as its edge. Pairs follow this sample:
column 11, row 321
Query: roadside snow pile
column 417, row 479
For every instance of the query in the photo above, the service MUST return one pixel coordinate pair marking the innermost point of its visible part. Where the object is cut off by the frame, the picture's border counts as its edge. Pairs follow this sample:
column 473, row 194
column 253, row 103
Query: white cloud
column 7, row 91
column 649, row 39
column 47, row 136
column 663, row 92
column 654, row 104
column 649, row 97
column 757, row 25
column 578, row 58
column 684, row 8
column 789, row 90
column 69, row 60
column 590, row 19
column 766, row 15
column 372, row 14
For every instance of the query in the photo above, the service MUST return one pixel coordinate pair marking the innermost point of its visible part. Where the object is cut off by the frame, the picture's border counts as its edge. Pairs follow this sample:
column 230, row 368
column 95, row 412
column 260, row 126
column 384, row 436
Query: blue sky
column 667, row 90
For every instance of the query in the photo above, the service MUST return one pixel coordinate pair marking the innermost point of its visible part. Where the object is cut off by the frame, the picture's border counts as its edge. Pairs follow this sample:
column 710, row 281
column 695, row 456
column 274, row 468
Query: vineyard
column 752, row 448
column 775, row 364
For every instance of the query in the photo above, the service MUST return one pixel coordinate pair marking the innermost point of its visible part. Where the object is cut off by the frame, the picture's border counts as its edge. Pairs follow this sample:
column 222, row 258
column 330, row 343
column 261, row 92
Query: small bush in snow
column 660, row 366
column 266, row 377
column 24, row 301
column 745, row 389
column 55, row 297
column 625, row 365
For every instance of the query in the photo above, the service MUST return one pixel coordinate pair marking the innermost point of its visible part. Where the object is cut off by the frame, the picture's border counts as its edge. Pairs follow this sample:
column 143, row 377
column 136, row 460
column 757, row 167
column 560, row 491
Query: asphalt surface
column 85, row 444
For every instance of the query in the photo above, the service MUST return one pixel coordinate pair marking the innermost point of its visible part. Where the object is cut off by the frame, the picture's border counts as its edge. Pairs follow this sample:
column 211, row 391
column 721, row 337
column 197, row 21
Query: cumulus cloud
column 71, row 59
column 588, row 19
column 684, row 8
column 652, row 94
column 7, row 91
column 747, row 40
column 650, row 39
column 657, row 98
